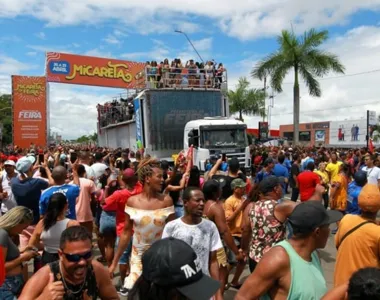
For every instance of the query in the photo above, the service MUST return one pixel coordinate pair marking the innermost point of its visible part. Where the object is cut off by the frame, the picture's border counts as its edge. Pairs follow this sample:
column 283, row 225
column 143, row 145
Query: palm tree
column 303, row 57
column 246, row 101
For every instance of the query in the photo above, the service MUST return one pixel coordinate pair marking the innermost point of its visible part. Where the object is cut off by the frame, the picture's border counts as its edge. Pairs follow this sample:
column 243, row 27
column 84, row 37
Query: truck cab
column 217, row 136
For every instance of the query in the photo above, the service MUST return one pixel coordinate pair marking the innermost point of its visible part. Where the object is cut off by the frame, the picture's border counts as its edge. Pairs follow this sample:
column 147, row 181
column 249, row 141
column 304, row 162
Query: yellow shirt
column 333, row 169
column 361, row 249
column 324, row 175
column 340, row 199
column 230, row 206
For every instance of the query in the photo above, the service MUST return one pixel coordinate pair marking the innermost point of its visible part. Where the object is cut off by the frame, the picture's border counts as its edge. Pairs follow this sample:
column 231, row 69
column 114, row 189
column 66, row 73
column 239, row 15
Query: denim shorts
column 179, row 211
column 108, row 222
column 231, row 257
column 11, row 287
column 124, row 259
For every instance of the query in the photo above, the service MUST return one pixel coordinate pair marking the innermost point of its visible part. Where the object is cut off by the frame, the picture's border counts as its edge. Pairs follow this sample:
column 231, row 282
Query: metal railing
column 112, row 114
column 185, row 78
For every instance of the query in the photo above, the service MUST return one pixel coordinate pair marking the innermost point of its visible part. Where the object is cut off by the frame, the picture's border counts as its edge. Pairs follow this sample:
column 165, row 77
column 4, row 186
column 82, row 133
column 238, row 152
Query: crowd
column 173, row 233
column 190, row 74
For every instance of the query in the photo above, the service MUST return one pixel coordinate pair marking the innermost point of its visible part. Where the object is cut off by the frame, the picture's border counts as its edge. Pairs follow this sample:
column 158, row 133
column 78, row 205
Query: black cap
column 220, row 179
column 172, row 262
column 269, row 183
column 310, row 215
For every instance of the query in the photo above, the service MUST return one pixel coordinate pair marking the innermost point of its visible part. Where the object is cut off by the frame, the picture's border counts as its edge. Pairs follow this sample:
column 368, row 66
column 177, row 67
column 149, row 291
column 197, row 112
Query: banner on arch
column 29, row 111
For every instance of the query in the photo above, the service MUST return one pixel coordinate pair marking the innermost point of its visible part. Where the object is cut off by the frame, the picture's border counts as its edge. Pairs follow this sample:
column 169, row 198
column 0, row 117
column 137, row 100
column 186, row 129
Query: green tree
column 6, row 118
column 246, row 101
column 303, row 57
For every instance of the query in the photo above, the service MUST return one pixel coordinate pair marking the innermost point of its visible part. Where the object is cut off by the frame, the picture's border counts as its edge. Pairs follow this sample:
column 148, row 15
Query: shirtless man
column 74, row 275
column 213, row 210
column 145, row 213
column 294, row 263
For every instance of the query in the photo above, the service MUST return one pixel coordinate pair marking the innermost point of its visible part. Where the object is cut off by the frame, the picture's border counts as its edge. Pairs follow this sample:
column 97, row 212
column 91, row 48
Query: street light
column 179, row 31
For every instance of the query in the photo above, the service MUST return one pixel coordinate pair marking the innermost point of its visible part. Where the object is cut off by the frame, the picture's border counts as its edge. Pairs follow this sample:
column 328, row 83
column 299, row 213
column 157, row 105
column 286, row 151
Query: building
column 317, row 133
column 272, row 132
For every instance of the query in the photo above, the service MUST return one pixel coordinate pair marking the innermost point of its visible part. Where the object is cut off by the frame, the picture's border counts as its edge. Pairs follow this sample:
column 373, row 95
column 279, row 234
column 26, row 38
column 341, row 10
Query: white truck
column 167, row 121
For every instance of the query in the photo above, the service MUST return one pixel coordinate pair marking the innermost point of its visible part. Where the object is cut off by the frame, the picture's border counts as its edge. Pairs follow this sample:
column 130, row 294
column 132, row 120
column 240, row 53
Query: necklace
column 69, row 291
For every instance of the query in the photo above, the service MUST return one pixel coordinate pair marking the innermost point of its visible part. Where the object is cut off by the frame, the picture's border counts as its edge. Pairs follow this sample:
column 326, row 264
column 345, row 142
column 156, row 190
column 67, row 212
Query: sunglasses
column 78, row 257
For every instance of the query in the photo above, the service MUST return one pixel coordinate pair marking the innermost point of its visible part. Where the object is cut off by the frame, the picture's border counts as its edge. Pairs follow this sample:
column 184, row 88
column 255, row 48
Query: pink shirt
column 83, row 205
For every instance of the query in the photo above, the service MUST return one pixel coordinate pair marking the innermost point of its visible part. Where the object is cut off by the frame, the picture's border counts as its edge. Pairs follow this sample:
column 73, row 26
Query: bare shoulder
column 36, row 284
column 98, row 267
column 275, row 260
column 167, row 200
column 133, row 200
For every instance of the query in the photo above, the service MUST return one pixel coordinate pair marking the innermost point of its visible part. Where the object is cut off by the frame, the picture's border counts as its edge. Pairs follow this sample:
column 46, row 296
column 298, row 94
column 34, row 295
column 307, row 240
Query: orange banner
column 29, row 111
column 96, row 71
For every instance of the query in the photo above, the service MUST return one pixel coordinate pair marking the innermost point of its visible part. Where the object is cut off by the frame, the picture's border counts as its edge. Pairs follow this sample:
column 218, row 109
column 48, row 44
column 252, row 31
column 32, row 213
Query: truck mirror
column 193, row 141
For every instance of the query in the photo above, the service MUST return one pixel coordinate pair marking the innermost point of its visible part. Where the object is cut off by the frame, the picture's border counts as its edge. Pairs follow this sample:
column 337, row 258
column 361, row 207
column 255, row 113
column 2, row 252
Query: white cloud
column 243, row 19
column 342, row 98
column 97, row 52
column 41, row 35
column 31, row 53
column 110, row 39
column 49, row 48
column 159, row 51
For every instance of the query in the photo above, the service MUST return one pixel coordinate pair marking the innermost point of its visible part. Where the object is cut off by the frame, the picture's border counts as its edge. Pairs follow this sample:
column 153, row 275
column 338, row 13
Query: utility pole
column 265, row 94
column 179, row 31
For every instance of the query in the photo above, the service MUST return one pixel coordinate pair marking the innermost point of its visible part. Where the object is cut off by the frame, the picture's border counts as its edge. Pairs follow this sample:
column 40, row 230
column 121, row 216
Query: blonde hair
column 15, row 216
column 145, row 168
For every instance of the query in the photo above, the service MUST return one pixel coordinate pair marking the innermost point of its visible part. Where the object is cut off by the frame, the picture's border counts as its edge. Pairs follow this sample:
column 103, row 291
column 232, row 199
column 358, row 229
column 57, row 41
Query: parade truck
column 167, row 121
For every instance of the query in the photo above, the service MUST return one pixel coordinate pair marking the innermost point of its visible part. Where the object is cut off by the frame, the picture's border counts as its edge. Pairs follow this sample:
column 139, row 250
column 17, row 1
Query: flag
column 370, row 145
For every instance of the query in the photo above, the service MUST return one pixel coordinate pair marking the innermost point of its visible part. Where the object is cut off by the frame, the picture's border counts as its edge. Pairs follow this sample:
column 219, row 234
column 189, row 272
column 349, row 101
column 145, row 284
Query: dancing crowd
column 170, row 232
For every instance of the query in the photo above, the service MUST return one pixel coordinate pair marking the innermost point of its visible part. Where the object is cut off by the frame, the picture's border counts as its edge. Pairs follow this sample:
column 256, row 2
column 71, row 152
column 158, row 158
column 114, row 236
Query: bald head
column 59, row 174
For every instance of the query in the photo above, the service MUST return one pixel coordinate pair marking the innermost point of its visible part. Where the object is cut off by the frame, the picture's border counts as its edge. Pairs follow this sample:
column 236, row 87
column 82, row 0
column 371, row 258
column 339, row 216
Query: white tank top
column 52, row 237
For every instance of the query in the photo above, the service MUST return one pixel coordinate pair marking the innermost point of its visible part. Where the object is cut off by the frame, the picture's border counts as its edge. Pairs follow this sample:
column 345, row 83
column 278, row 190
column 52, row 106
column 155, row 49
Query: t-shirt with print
column 71, row 191
column 203, row 238
column 373, row 174
column 6, row 242
column 83, row 203
column 28, row 192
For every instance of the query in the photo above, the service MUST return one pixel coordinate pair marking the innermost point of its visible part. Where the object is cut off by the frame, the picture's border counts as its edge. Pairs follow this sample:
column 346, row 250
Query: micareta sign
column 29, row 111
column 95, row 71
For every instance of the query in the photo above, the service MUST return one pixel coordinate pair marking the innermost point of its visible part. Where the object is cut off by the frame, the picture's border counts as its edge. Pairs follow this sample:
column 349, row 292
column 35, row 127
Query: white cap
column 10, row 163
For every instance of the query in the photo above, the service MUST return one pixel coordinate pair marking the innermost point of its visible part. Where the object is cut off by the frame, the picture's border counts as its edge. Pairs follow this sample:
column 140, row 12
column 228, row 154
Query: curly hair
column 145, row 168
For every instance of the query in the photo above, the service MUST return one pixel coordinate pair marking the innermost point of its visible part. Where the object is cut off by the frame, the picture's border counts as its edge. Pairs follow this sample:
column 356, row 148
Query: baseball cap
column 309, row 215
column 369, row 198
column 128, row 172
column 9, row 163
column 269, row 183
column 220, row 179
column 238, row 183
column 24, row 163
column 173, row 263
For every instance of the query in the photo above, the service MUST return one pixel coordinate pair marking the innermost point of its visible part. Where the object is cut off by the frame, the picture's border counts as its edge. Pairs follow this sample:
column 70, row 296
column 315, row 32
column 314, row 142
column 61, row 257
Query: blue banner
column 138, row 120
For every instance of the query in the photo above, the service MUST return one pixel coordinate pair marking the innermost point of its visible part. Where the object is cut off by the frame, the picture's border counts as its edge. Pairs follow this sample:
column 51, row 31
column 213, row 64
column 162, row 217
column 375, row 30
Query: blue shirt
column 71, row 191
column 281, row 171
column 261, row 175
column 28, row 192
column 287, row 164
column 352, row 199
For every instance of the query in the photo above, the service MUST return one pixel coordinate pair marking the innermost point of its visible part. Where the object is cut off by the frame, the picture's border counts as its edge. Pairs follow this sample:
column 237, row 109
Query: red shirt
column 117, row 201
column 307, row 181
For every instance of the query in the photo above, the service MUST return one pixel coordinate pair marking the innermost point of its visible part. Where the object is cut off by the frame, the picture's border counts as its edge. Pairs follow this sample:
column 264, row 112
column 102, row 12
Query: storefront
column 309, row 133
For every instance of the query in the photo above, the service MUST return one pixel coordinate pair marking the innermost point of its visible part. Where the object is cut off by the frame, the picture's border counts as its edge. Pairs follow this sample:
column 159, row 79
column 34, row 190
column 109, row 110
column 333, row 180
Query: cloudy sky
column 237, row 33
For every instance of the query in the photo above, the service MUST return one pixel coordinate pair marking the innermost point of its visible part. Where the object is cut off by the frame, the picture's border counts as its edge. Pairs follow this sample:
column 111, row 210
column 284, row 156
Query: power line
column 326, row 109
column 338, row 76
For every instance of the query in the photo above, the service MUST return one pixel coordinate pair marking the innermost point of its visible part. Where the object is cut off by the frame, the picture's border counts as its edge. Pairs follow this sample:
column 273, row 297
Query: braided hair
column 145, row 168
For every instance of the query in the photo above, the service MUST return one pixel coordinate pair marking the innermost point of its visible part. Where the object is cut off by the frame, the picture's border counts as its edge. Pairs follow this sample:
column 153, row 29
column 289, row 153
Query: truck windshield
column 224, row 138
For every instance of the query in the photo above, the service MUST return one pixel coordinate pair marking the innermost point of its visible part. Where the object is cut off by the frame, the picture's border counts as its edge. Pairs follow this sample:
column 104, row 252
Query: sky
column 238, row 33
